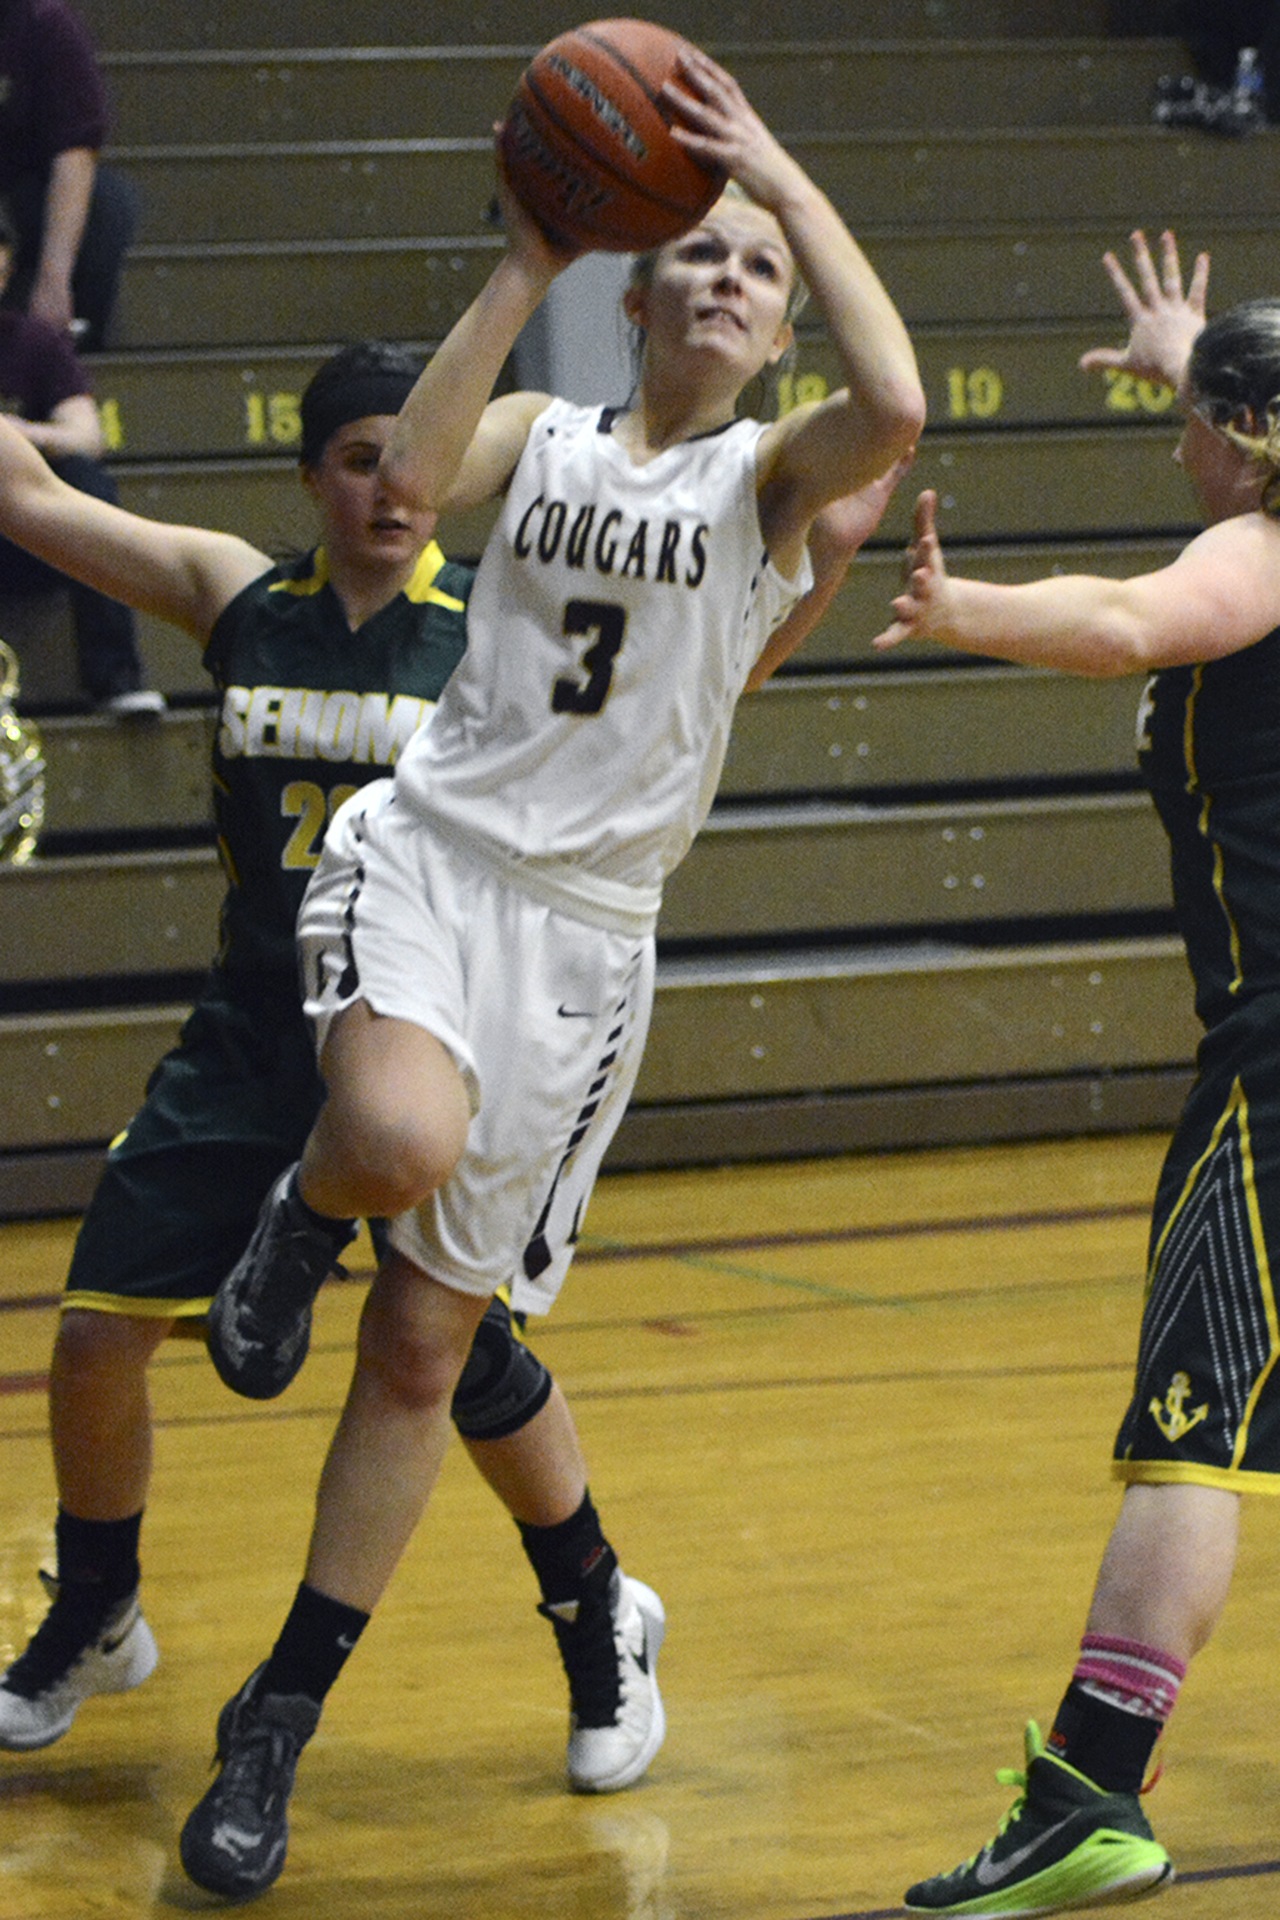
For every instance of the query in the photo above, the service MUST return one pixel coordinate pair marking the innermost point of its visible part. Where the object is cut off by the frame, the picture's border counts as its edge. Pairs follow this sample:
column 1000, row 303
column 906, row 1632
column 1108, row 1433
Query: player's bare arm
column 437, row 455
column 185, row 575
column 496, row 446
column 822, row 452
column 1220, row 595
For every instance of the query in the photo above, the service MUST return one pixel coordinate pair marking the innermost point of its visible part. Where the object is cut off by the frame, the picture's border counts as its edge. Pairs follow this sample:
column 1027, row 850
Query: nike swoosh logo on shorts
column 575, row 1013
column 989, row 1873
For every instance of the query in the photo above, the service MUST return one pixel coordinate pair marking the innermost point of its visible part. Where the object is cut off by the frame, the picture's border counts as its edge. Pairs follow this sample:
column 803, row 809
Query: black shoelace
column 589, row 1654
column 65, row 1633
column 258, row 1773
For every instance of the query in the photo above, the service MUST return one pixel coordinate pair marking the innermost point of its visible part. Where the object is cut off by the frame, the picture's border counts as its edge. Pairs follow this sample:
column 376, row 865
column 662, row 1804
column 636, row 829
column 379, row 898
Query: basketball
column 587, row 147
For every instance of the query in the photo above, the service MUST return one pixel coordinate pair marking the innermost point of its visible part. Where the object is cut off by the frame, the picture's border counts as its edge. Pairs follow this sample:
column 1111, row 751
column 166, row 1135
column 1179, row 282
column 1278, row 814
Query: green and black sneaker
column 1064, row 1843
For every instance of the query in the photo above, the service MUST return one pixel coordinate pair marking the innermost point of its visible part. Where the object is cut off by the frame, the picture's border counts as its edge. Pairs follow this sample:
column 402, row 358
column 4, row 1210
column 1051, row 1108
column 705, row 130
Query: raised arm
column 1164, row 318
column 185, row 575
column 451, row 447
column 1220, row 595
column 821, row 452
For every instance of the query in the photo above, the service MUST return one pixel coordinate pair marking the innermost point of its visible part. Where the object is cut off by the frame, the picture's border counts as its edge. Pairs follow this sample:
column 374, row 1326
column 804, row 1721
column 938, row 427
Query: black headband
column 355, row 397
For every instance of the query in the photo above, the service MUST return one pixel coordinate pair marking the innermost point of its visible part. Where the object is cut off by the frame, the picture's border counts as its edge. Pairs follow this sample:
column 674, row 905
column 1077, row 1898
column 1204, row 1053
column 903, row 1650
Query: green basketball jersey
column 309, row 711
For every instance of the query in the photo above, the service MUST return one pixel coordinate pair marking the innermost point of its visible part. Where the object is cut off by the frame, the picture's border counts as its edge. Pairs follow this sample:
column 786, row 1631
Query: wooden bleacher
column 931, row 903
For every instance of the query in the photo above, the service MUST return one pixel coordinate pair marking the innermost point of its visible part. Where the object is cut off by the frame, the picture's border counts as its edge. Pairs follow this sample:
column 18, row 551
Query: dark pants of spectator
column 106, row 634
column 108, row 234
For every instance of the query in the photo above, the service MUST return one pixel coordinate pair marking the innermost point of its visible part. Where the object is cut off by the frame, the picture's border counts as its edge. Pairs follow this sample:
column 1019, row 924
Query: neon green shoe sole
column 1106, row 1868
column 1065, row 1843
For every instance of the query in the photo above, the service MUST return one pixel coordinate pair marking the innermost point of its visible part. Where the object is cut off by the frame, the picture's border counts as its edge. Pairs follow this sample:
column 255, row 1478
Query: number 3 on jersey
column 607, row 623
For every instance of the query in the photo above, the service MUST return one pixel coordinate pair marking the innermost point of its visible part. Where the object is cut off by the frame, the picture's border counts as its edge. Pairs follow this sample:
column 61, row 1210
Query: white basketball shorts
column 544, row 1016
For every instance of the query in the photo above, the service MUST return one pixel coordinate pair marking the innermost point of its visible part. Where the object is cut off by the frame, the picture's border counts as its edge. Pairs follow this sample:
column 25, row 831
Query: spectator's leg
column 108, row 234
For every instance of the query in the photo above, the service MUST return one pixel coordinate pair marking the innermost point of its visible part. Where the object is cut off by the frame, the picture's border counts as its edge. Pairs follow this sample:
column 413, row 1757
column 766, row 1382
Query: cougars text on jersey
column 670, row 552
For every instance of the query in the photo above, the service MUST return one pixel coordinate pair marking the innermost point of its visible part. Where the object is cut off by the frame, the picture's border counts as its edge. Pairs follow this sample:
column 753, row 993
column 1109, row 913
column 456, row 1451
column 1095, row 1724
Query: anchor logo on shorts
column 1170, row 1414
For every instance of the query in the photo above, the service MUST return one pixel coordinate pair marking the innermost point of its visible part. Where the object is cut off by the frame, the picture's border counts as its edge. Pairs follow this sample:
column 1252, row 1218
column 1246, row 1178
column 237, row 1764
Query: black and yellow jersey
column 1209, row 749
column 309, row 711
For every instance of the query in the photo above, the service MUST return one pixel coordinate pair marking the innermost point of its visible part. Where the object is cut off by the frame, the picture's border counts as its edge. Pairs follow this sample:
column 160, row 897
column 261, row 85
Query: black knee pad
column 503, row 1384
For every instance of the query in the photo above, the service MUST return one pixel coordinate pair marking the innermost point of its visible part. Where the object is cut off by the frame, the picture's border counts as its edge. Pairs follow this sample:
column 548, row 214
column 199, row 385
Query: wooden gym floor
column 850, row 1417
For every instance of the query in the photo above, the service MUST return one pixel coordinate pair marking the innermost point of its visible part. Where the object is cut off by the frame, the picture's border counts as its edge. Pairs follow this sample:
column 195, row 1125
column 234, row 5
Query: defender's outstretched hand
column 1164, row 319
column 920, row 610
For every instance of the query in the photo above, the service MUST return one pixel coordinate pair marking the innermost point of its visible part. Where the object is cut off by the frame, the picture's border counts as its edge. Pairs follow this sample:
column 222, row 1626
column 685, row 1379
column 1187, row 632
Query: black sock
column 328, row 1221
column 97, row 1560
column 313, row 1646
column 1109, row 1746
column 571, row 1559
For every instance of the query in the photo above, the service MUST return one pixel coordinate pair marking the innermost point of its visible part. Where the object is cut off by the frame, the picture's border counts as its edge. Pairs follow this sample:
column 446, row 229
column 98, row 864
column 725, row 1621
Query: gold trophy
column 21, row 771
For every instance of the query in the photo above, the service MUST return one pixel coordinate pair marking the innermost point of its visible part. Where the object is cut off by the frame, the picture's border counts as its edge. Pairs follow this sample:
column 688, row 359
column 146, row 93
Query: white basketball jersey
column 616, row 614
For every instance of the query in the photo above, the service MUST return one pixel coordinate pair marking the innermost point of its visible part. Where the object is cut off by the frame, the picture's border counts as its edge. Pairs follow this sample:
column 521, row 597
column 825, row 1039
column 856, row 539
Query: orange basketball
column 587, row 147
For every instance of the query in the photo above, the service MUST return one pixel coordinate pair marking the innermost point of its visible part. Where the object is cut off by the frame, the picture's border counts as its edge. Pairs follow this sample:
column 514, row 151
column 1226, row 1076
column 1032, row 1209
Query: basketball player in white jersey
column 477, row 943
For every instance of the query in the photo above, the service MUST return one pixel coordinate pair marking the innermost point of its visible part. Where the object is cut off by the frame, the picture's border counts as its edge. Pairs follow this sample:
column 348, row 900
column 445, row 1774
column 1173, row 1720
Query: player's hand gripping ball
column 586, row 145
